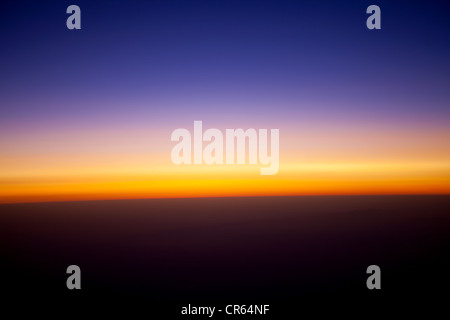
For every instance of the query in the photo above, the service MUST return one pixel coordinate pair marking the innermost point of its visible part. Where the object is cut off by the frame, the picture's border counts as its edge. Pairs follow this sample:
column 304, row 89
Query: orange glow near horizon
column 223, row 181
column 134, row 163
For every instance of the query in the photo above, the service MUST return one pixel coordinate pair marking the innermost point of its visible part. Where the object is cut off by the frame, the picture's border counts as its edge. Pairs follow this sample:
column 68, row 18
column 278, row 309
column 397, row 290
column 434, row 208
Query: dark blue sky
column 288, row 59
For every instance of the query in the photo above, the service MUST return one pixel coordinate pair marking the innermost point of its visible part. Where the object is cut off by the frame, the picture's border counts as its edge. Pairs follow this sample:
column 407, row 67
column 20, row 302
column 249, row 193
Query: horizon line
column 43, row 201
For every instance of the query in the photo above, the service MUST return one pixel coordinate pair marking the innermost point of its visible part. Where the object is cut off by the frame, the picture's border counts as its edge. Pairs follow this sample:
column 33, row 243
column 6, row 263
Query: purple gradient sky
column 235, row 61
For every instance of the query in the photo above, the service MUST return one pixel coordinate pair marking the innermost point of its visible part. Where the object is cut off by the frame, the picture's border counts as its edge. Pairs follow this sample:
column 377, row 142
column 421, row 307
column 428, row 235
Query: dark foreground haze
column 292, row 253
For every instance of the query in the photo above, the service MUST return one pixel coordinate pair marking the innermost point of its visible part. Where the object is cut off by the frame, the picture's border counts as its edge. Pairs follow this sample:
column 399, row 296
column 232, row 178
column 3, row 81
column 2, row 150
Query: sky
column 87, row 114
